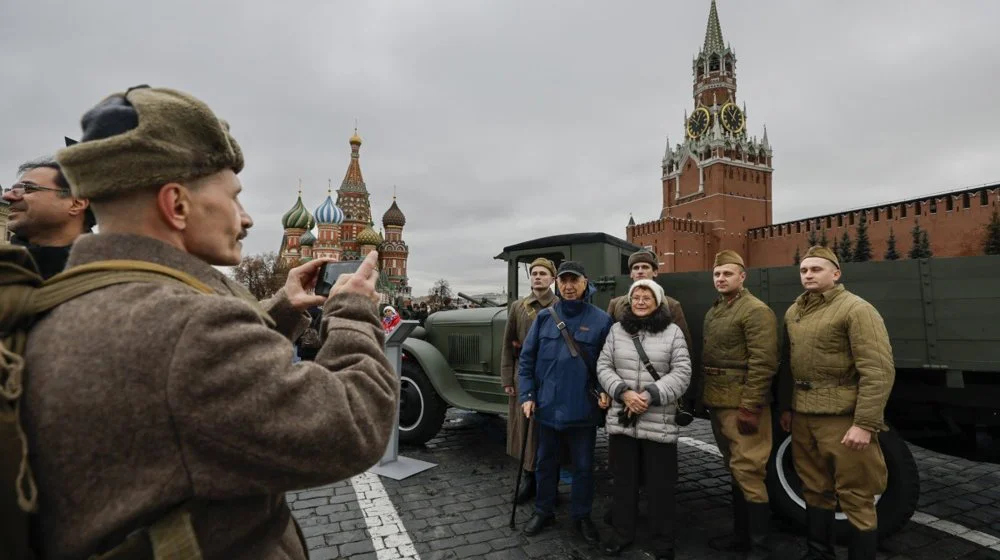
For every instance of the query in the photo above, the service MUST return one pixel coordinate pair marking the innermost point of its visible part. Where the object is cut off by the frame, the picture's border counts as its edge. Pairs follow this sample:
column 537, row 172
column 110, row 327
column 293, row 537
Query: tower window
column 875, row 214
column 965, row 200
column 984, row 198
column 888, row 212
column 840, row 220
column 828, row 222
column 949, row 203
column 713, row 63
column 798, row 227
column 933, row 206
column 918, row 208
column 729, row 64
column 902, row 210
column 850, row 219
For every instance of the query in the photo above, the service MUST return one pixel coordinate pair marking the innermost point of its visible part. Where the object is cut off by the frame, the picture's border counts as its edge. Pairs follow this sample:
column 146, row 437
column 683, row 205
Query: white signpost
column 392, row 464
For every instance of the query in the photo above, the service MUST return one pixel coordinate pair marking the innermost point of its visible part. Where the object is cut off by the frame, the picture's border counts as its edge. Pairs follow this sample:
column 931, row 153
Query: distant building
column 717, row 190
column 4, row 211
column 345, row 230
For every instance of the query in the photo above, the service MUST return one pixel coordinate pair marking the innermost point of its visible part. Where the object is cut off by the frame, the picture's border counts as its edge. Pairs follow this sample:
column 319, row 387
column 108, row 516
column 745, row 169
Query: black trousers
column 630, row 456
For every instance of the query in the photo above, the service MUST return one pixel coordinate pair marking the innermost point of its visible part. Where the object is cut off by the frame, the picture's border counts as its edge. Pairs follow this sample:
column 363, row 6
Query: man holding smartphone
column 186, row 417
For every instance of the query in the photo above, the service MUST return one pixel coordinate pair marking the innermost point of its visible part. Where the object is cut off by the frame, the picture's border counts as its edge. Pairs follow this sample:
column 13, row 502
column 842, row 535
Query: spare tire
column 895, row 506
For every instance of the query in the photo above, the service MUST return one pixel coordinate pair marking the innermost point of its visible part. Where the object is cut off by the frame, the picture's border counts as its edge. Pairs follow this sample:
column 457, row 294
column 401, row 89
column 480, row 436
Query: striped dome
column 307, row 239
column 329, row 213
column 368, row 236
column 298, row 217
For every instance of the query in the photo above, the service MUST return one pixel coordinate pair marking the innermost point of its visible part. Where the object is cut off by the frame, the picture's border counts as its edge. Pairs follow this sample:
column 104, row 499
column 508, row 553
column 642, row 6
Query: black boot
column 819, row 534
column 759, row 531
column 537, row 523
column 586, row 529
column 741, row 523
column 862, row 544
column 614, row 547
column 526, row 490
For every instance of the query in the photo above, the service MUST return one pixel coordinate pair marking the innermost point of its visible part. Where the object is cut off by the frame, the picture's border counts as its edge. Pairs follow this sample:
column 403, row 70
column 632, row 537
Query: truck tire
column 421, row 410
column 895, row 506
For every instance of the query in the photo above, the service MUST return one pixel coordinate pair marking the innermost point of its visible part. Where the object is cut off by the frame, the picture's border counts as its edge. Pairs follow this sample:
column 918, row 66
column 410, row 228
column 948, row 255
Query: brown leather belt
column 809, row 384
column 724, row 371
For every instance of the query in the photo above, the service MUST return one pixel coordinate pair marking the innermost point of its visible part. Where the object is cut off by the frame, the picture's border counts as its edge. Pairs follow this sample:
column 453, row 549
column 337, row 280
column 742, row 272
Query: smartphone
column 329, row 273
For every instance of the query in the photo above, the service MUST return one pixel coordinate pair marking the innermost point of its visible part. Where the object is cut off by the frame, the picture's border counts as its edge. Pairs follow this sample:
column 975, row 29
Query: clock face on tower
column 732, row 118
column 699, row 122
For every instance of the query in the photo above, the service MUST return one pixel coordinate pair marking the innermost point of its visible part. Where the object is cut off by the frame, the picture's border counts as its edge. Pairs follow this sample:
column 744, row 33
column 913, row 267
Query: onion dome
column 355, row 140
column 329, row 213
column 368, row 236
column 393, row 216
column 298, row 217
column 307, row 239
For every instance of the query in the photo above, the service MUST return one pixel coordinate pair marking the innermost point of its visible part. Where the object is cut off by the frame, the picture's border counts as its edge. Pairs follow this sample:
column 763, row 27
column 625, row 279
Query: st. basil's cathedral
column 345, row 231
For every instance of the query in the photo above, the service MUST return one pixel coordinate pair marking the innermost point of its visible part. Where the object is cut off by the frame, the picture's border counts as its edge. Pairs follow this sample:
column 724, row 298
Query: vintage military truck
column 941, row 315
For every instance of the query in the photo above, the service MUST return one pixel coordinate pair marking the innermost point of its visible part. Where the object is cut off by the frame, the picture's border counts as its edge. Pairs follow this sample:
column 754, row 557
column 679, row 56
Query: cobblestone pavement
column 460, row 509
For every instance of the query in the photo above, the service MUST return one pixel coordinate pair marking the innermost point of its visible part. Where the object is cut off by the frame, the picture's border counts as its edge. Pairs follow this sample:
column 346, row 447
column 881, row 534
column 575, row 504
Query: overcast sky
column 501, row 121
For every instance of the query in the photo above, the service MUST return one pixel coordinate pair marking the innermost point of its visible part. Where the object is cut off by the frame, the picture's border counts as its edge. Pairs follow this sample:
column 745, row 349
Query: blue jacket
column 549, row 375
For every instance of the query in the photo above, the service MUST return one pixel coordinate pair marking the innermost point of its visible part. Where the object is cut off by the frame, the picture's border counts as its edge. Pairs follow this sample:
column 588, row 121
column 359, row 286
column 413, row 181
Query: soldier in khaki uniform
column 740, row 358
column 642, row 265
column 520, row 315
column 837, row 373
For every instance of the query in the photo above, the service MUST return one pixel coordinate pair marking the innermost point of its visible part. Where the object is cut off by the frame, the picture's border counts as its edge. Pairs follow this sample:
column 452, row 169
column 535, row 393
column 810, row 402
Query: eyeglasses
column 643, row 300
column 21, row 189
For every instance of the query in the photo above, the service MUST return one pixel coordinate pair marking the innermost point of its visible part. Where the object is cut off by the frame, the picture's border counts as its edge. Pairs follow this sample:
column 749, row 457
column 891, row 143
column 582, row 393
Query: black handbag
column 682, row 417
column 578, row 352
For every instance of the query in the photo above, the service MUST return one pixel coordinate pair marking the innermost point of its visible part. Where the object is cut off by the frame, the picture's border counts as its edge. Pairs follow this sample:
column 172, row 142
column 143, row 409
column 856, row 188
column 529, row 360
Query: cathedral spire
column 713, row 33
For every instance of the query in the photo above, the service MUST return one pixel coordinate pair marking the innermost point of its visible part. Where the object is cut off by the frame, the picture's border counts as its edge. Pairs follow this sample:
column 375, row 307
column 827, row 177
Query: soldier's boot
column 862, row 544
column 819, row 534
column 526, row 490
column 759, row 531
column 740, row 540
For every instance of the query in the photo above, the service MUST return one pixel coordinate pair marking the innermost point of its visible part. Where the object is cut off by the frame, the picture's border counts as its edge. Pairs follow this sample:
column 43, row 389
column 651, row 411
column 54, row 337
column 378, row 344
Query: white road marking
column 388, row 534
column 945, row 526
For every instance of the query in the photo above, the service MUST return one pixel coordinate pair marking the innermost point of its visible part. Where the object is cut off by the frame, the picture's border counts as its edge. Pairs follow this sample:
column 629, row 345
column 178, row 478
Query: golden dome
column 355, row 140
column 369, row 236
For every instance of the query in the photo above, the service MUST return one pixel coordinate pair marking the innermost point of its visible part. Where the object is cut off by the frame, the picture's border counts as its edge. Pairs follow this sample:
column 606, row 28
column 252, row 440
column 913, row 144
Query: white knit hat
column 649, row 285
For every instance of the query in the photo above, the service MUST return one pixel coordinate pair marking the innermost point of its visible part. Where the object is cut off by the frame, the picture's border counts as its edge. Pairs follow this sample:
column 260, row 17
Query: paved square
column 461, row 508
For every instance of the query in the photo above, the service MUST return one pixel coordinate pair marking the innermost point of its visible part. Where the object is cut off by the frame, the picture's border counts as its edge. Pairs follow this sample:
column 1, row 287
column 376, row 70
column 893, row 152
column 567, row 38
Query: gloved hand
column 748, row 421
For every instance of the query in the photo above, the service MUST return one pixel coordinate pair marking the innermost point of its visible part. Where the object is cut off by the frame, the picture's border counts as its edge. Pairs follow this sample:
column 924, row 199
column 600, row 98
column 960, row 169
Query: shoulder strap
column 86, row 278
column 573, row 349
column 644, row 358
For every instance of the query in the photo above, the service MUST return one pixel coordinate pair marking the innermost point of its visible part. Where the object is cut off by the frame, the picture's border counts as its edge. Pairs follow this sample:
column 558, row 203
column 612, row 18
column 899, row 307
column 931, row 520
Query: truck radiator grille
column 463, row 349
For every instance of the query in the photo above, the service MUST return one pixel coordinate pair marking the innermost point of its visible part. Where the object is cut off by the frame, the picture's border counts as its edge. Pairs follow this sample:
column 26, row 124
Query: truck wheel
column 895, row 506
column 421, row 410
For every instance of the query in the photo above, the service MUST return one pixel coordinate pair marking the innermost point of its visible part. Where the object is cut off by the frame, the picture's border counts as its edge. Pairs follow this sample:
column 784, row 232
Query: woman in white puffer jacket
column 640, row 423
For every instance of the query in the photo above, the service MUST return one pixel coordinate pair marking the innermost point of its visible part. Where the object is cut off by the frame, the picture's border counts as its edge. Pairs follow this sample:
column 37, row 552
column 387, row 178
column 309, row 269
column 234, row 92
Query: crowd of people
column 569, row 367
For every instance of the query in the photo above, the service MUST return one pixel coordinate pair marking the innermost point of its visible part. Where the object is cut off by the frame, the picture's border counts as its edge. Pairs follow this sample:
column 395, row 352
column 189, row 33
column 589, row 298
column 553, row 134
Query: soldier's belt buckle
column 561, row 325
column 803, row 385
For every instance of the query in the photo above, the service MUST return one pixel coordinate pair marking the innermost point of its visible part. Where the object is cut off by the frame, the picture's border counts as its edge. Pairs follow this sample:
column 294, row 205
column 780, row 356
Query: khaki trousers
column 831, row 472
column 745, row 456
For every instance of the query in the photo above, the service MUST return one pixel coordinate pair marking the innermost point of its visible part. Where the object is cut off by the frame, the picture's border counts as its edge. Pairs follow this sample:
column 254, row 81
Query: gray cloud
column 507, row 120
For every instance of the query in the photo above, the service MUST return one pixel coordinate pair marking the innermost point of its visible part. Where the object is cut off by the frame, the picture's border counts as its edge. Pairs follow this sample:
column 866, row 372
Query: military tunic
column 520, row 315
column 740, row 358
column 837, row 371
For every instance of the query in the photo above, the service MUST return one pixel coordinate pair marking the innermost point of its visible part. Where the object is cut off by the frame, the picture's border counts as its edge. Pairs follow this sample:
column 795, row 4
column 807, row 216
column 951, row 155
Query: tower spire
column 713, row 33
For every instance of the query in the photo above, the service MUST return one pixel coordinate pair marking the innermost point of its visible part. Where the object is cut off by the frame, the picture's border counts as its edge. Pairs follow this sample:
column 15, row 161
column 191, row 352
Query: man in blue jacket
column 557, row 380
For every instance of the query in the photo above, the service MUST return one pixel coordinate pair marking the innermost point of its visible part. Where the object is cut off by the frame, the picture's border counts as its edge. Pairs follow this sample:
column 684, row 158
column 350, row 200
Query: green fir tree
column 846, row 250
column 992, row 244
column 836, row 246
column 823, row 240
column 797, row 257
column 812, row 240
column 925, row 245
column 915, row 251
column 863, row 246
column 891, row 254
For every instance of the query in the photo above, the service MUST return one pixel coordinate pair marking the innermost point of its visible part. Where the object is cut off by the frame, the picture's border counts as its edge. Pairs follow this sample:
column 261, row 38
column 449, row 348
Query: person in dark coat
column 557, row 384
